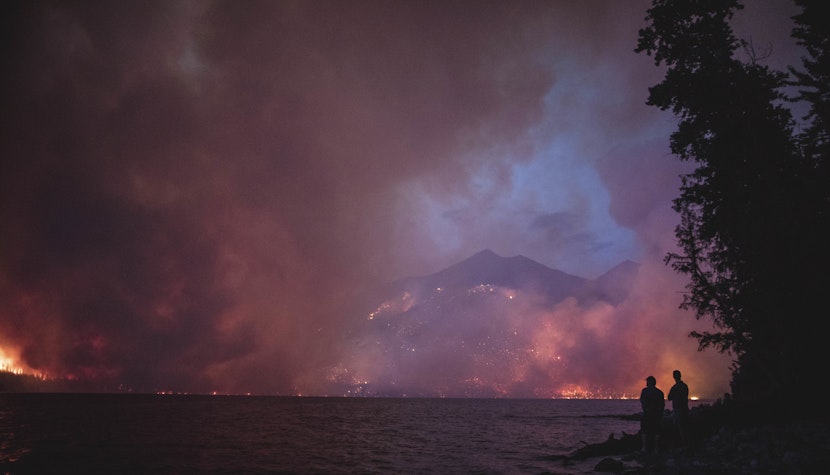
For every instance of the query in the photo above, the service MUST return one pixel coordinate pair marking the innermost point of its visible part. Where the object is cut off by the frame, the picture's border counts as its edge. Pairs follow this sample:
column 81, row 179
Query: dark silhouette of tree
column 812, row 31
column 747, row 235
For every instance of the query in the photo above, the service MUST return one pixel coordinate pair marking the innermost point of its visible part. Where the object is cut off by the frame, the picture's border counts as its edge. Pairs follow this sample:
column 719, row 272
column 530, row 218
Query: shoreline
column 719, row 444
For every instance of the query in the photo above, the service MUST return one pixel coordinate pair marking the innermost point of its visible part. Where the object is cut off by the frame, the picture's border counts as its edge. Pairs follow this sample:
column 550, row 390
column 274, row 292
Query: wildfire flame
column 9, row 364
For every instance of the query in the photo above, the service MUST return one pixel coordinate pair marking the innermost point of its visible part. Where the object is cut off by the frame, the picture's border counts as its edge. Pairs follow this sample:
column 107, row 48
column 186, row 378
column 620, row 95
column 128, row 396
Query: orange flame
column 10, row 363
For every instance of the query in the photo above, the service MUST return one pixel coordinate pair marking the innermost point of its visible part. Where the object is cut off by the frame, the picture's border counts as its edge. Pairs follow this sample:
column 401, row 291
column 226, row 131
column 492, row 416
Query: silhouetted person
column 653, row 404
column 679, row 397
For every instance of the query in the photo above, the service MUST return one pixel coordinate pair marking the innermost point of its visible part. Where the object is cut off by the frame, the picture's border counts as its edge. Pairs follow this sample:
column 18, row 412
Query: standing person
column 653, row 404
column 679, row 397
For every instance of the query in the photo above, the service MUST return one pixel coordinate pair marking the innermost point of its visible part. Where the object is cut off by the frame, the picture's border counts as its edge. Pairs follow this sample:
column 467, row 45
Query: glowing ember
column 394, row 306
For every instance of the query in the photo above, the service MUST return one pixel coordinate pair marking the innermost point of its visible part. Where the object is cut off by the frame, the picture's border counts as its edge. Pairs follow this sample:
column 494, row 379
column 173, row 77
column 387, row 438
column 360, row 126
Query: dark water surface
column 116, row 433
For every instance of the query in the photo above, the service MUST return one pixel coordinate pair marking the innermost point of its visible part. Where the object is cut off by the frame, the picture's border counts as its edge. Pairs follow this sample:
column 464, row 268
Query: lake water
column 165, row 434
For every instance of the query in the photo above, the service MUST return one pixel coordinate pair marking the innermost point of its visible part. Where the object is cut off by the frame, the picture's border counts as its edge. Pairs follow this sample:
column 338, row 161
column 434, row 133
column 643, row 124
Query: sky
column 192, row 191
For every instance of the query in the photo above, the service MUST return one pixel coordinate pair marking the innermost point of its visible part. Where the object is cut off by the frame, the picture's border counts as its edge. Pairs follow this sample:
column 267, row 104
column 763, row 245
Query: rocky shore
column 720, row 443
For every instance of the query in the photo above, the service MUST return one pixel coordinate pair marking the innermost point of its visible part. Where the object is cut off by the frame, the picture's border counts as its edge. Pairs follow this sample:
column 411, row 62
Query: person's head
column 676, row 374
column 651, row 381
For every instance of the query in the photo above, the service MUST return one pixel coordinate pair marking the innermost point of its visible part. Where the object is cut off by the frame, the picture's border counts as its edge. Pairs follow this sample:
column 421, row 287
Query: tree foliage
column 813, row 33
column 750, row 237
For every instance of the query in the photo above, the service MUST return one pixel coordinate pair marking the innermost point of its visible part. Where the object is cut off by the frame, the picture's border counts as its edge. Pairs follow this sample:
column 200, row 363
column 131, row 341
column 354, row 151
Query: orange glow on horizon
column 10, row 363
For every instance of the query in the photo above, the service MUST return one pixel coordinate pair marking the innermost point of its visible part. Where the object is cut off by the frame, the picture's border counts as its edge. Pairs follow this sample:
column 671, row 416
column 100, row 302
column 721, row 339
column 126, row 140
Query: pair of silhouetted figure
column 653, row 405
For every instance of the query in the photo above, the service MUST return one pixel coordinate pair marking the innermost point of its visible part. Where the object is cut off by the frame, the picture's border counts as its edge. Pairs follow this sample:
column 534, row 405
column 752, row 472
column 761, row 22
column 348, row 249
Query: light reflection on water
column 11, row 450
column 188, row 434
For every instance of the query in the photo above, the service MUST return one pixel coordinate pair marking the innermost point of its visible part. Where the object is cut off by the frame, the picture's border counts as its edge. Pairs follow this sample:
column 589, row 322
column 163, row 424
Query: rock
column 612, row 446
column 609, row 464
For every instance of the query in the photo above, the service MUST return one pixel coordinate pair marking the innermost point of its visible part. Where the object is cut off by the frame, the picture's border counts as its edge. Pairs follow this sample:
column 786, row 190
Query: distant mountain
column 488, row 268
column 469, row 329
column 520, row 273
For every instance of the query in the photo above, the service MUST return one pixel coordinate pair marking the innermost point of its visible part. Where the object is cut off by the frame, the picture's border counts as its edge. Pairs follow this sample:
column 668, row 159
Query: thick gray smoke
column 192, row 193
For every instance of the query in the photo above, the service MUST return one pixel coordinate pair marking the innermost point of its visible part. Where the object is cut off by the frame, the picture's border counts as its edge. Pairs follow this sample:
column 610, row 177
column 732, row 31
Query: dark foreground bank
column 722, row 441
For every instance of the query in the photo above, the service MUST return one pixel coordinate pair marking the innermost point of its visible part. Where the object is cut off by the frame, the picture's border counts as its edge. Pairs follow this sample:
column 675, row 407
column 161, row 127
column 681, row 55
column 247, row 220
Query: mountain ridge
column 488, row 268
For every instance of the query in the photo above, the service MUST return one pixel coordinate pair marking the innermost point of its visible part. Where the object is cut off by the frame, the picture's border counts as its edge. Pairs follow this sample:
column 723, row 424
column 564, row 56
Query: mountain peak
column 487, row 267
column 486, row 253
